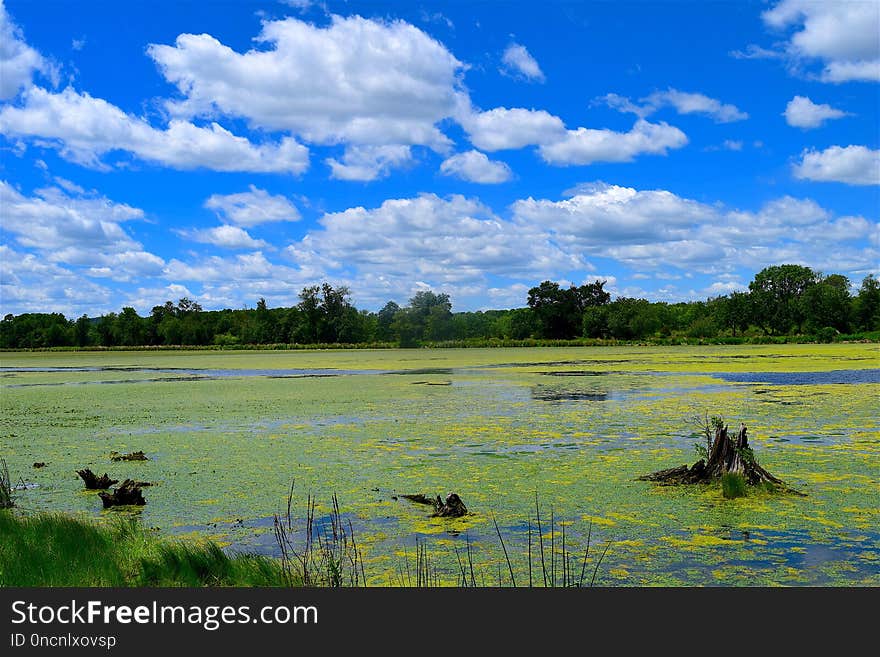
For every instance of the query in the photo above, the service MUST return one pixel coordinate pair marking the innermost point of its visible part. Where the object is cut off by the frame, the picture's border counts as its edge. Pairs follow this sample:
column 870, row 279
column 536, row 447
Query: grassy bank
column 62, row 550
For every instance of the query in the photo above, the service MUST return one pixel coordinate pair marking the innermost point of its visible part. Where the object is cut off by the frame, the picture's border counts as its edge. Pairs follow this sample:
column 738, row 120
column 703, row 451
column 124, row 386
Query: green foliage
column 225, row 339
column 826, row 334
column 747, row 455
column 733, row 485
column 786, row 303
column 867, row 305
column 778, row 297
column 559, row 312
column 61, row 550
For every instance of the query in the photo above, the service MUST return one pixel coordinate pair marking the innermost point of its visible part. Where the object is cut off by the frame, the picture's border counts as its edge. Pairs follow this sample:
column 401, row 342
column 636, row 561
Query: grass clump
column 733, row 485
column 49, row 549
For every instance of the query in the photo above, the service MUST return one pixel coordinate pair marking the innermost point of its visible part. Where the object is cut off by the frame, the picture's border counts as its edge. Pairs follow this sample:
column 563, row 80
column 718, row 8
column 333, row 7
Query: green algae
column 223, row 452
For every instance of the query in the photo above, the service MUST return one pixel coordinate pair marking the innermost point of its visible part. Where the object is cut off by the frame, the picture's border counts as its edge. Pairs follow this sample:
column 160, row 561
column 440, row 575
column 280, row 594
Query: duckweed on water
column 512, row 422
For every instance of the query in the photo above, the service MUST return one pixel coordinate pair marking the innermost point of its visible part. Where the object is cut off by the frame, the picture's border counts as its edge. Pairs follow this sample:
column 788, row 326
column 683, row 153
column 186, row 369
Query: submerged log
column 418, row 498
column 134, row 456
column 453, row 507
column 128, row 493
column 726, row 455
column 93, row 482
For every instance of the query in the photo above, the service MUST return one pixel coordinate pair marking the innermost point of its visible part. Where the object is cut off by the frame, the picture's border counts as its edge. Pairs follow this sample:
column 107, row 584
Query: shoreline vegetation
column 783, row 304
column 54, row 549
column 58, row 549
column 868, row 337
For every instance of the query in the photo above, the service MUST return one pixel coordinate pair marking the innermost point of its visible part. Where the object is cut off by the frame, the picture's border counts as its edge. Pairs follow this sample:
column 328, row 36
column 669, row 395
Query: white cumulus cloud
column 853, row 165
column 366, row 163
column 801, row 112
column 682, row 101
column 502, row 128
column 843, row 36
column 252, row 208
column 226, row 237
column 475, row 166
column 30, row 283
column 356, row 80
column 84, row 231
column 695, row 103
column 518, row 62
column 18, row 60
column 587, row 145
column 85, row 128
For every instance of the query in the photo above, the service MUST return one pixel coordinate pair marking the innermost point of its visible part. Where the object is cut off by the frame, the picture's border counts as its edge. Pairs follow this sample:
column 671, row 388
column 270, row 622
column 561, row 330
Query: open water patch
column 844, row 377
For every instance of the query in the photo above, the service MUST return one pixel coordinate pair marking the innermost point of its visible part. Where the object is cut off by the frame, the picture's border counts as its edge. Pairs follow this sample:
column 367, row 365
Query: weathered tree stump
column 128, row 493
column 134, row 456
column 453, row 507
column 726, row 455
column 94, row 482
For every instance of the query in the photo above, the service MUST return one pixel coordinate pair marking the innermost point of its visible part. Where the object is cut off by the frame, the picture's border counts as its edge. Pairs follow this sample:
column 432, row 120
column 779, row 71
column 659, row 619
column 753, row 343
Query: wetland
column 226, row 432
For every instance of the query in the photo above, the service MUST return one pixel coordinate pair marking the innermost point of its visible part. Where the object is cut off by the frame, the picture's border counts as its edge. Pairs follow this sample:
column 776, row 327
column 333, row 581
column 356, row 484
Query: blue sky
column 228, row 151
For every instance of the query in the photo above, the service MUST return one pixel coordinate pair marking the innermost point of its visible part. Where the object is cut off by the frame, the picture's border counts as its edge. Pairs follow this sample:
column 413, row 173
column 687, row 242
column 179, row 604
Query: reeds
column 555, row 563
column 324, row 553
column 7, row 499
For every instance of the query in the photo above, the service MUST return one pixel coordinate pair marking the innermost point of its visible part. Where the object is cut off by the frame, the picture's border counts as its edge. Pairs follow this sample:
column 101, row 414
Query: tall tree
column 384, row 320
column 828, row 304
column 778, row 296
column 310, row 315
column 867, row 304
column 559, row 312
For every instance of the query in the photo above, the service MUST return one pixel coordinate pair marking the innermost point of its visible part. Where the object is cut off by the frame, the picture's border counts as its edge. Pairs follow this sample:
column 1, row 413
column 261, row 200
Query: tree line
column 783, row 300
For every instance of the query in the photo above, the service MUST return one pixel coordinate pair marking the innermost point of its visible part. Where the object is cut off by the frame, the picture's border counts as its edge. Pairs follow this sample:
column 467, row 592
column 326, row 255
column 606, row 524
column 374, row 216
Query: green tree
column 734, row 312
column 82, row 330
column 632, row 319
column 828, row 304
column 559, row 312
column 129, row 329
column 778, row 297
column 522, row 323
column 336, row 321
column 106, row 330
column 384, row 320
column 406, row 328
column 310, row 315
column 430, row 316
column 867, row 304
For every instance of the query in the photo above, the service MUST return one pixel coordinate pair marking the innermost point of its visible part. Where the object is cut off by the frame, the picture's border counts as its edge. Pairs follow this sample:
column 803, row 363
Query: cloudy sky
column 228, row 151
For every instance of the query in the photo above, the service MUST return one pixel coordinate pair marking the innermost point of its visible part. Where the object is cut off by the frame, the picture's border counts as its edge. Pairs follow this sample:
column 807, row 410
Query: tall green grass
column 733, row 485
column 60, row 550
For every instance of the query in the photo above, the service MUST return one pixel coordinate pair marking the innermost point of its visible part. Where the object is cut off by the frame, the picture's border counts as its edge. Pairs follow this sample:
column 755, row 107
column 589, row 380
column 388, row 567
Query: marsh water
column 227, row 432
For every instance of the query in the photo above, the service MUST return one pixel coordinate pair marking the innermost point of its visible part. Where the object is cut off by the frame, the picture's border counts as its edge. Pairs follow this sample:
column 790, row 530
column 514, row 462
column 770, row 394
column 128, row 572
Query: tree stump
column 453, row 507
column 94, row 482
column 726, row 455
column 129, row 493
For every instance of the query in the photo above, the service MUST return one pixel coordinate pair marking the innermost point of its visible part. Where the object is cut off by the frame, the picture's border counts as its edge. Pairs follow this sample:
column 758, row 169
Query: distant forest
column 782, row 302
